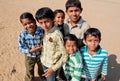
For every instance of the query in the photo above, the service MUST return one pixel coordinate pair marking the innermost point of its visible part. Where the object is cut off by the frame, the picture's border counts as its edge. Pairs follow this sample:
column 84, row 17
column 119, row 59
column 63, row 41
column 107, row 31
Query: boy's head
column 92, row 38
column 73, row 10
column 59, row 16
column 45, row 17
column 71, row 43
column 28, row 22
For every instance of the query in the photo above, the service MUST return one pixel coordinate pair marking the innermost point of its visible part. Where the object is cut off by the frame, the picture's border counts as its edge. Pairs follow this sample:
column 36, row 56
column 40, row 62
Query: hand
column 36, row 49
column 48, row 72
column 83, row 76
column 93, row 80
column 103, row 77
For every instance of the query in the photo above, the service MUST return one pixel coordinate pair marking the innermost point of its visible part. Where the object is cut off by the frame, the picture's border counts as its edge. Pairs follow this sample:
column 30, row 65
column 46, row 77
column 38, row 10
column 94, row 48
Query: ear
column 81, row 10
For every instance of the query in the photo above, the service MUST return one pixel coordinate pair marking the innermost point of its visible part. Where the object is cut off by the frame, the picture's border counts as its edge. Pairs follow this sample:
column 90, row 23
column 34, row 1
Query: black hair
column 26, row 15
column 44, row 12
column 94, row 32
column 59, row 11
column 72, row 3
column 71, row 37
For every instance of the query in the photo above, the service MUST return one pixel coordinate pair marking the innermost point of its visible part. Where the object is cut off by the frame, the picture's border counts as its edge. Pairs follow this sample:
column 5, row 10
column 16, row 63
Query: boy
column 73, row 66
column 53, row 53
column 95, row 58
column 29, row 43
column 76, row 25
column 59, row 21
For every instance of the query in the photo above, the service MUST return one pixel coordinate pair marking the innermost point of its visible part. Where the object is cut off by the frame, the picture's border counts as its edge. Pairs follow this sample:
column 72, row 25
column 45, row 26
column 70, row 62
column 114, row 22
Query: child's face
column 92, row 42
column 29, row 25
column 59, row 18
column 46, row 23
column 70, row 46
column 74, row 13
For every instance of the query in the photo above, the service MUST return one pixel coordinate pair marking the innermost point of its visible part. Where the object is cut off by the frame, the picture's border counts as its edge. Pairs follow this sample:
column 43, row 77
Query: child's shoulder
column 104, row 51
column 24, row 31
column 83, row 22
column 56, row 31
column 83, row 48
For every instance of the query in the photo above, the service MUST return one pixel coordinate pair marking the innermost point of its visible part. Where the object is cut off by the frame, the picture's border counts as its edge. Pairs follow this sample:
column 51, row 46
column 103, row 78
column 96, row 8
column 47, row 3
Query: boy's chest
column 50, row 41
column 33, row 39
column 77, row 31
column 94, row 59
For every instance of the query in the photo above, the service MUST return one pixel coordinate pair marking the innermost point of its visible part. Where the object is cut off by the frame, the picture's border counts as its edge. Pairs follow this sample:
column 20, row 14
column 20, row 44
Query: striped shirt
column 27, row 41
column 94, row 64
column 73, row 67
column 53, row 53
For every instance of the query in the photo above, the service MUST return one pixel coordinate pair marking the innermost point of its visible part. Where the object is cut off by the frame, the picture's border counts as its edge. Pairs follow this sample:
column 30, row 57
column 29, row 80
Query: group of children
column 63, row 51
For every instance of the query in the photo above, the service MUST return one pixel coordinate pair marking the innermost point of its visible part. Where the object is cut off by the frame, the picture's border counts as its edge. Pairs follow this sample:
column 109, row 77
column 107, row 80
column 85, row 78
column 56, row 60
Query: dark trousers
column 30, row 64
column 97, row 79
column 61, row 75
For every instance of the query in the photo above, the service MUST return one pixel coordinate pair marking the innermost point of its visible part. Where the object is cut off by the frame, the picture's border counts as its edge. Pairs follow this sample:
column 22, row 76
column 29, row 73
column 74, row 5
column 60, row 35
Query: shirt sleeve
column 60, row 51
column 77, row 69
column 22, row 45
column 105, row 64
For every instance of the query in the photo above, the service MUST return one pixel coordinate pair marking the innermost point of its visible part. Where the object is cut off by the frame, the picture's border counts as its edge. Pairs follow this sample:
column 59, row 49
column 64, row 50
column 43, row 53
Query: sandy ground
column 103, row 14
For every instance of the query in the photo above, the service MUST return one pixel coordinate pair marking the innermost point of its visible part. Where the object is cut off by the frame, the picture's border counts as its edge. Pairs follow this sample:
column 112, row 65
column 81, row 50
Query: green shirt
column 73, row 67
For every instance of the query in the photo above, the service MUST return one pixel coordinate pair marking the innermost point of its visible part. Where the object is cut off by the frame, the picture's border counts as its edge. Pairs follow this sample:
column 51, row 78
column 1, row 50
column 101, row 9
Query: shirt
column 27, row 41
column 73, row 67
column 78, row 30
column 94, row 64
column 64, row 29
column 53, row 53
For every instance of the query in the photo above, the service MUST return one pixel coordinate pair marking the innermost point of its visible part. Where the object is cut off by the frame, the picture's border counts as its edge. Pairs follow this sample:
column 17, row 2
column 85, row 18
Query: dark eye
column 90, row 40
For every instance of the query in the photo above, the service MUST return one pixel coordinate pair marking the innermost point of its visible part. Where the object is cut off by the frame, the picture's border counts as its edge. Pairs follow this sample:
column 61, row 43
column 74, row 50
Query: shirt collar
column 98, row 51
column 52, row 29
column 79, row 23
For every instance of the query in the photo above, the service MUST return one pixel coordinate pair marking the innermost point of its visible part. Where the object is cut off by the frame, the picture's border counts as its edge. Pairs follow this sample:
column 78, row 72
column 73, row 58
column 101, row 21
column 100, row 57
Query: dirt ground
column 102, row 14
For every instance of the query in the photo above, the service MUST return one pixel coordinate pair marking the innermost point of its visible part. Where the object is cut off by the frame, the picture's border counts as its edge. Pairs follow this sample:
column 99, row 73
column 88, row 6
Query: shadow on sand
column 113, row 69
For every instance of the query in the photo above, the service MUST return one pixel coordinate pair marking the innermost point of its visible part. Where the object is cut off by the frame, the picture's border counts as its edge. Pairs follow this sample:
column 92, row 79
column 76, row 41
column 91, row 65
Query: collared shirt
column 73, row 67
column 53, row 54
column 94, row 64
column 78, row 30
column 28, row 41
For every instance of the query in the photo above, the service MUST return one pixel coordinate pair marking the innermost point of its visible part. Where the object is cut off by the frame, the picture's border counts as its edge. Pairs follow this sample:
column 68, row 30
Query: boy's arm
column 105, row 64
column 22, row 45
column 60, row 50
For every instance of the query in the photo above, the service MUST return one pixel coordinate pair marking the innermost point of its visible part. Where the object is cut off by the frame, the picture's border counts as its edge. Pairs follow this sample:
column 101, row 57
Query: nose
column 74, row 13
column 29, row 25
column 93, row 42
column 44, row 24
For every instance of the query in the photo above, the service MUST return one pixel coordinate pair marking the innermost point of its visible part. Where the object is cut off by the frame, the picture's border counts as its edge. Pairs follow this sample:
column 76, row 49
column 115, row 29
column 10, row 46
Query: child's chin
column 70, row 53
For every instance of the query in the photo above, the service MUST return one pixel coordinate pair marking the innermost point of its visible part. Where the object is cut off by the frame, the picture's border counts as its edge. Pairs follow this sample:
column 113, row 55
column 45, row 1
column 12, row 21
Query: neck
column 73, row 23
column 92, row 52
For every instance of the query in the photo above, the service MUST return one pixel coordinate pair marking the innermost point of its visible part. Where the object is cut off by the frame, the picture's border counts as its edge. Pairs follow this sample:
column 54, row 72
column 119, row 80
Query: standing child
column 59, row 21
column 75, row 22
column 73, row 66
column 29, row 43
column 95, row 58
column 53, row 54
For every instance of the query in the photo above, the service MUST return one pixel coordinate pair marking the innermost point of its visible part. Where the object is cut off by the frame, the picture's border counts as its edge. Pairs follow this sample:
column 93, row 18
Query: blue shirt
column 61, row 29
column 28, row 41
column 93, row 65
